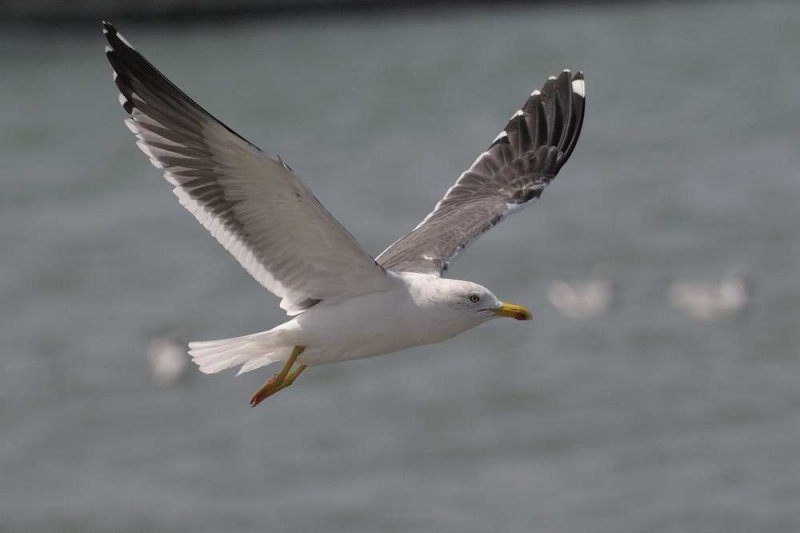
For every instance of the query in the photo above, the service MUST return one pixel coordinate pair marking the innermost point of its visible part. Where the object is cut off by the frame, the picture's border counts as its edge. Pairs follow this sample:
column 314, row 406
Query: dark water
column 639, row 421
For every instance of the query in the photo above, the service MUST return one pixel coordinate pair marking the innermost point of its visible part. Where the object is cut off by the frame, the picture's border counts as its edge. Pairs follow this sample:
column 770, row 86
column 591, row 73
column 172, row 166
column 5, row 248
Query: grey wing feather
column 251, row 203
column 520, row 162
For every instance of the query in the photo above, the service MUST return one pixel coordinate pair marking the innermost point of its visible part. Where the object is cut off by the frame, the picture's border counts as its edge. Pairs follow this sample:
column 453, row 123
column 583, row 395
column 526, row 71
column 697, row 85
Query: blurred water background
column 639, row 421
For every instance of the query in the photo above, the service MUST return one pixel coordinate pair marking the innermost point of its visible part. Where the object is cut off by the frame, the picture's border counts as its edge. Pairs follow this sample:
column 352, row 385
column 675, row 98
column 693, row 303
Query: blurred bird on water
column 167, row 360
column 725, row 300
column 586, row 298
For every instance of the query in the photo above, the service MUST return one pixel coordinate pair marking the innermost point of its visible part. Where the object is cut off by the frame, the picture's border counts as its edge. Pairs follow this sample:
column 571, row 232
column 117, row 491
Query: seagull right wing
column 251, row 203
column 510, row 174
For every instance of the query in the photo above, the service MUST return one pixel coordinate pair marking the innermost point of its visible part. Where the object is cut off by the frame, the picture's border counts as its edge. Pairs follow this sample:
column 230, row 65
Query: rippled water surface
column 642, row 420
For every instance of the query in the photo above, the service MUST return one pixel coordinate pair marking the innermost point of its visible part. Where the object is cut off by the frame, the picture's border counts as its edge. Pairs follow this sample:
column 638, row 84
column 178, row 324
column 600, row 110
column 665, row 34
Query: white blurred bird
column 167, row 360
column 585, row 298
column 725, row 300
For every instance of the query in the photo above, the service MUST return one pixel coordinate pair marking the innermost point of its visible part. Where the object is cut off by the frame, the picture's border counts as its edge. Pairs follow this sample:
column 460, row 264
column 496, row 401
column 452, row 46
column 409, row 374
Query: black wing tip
column 572, row 85
column 111, row 35
column 576, row 83
column 569, row 75
column 124, row 60
column 114, row 44
column 564, row 77
column 579, row 84
column 115, row 39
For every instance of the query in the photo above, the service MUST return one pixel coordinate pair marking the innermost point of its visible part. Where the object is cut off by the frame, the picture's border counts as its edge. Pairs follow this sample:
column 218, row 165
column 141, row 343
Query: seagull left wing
column 251, row 203
column 513, row 171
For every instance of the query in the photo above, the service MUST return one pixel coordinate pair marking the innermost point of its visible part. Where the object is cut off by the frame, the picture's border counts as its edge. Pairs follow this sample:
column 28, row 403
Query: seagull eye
column 474, row 298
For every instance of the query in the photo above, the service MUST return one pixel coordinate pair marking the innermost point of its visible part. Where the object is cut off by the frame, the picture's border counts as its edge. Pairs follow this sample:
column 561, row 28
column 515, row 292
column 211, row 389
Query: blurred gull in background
column 167, row 360
column 587, row 298
column 725, row 300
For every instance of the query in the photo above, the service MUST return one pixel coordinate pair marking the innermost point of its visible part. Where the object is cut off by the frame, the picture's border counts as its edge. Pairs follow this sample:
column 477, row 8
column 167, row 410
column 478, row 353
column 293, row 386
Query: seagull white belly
column 368, row 325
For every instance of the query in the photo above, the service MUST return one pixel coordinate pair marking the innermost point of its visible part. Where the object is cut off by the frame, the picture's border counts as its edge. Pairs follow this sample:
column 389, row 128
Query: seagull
column 342, row 303
column 725, row 300
column 587, row 298
column 167, row 360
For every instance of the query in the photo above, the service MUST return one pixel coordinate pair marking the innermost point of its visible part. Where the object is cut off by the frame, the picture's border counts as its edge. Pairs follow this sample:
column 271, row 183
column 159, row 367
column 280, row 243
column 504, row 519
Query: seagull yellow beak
column 520, row 312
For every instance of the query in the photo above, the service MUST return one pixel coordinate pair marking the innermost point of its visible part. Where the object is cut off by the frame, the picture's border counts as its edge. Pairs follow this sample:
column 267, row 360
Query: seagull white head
column 475, row 302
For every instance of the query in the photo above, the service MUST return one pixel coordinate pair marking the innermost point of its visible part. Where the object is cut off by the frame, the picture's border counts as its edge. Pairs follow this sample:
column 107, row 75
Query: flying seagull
column 343, row 303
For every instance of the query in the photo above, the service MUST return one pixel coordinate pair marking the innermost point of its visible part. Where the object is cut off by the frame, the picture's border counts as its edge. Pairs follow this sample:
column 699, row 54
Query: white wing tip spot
column 500, row 135
column 537, row 92
column 579, row 87
column 519, row 113
column 125, row 41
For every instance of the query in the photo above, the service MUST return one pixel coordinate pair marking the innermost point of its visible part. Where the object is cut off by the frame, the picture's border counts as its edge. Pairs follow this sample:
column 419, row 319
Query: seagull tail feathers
column 251, row 351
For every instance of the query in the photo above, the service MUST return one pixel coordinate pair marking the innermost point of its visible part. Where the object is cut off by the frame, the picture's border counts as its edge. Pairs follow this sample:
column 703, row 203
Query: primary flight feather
column 344, row 304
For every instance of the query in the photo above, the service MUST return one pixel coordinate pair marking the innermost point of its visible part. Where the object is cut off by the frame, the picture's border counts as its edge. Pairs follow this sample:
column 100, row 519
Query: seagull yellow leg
column 286, row 382
column 291, row 377
column 281, row 380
